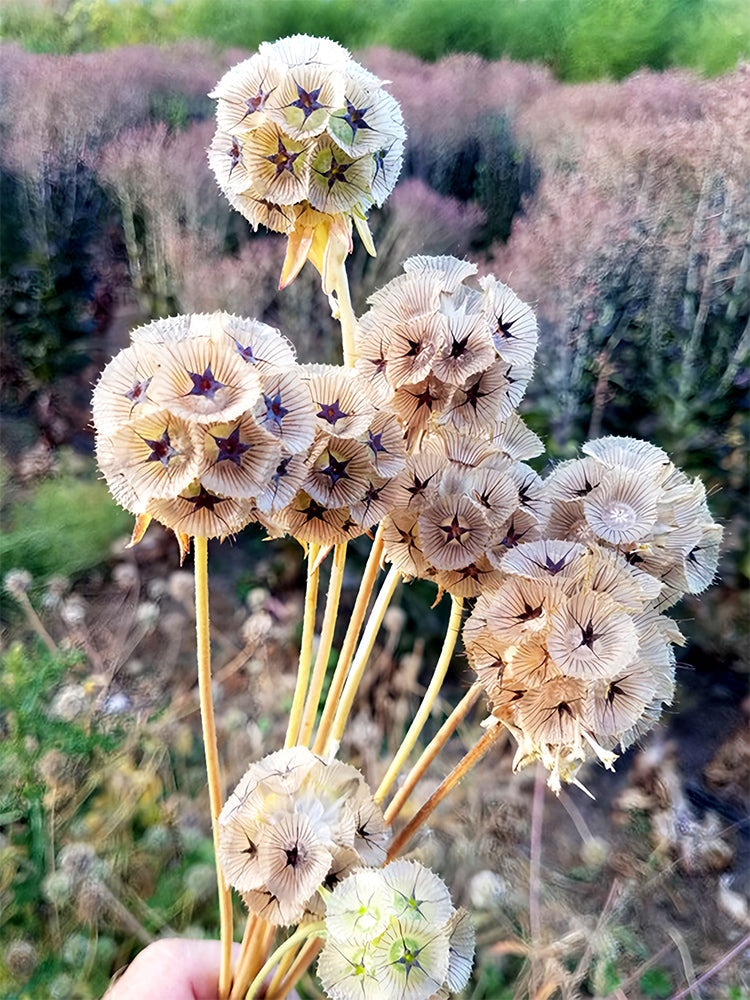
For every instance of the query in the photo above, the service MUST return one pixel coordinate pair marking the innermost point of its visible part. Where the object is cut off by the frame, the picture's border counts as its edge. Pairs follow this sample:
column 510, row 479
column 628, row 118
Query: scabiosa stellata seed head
column 430, row 342
column 393, row 932
column 306, row 142
column 573, row 654
column 195, row 419
column 296, row 823
column 627, row 495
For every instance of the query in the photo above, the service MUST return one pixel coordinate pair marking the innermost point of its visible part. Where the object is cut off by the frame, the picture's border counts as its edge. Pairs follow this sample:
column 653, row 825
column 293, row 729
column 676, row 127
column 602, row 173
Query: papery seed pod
column 307, row 141
column 295, row 823
column 394, row 932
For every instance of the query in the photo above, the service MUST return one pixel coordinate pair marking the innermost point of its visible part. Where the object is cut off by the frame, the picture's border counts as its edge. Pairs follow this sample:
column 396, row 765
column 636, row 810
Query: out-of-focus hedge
column 577, row 39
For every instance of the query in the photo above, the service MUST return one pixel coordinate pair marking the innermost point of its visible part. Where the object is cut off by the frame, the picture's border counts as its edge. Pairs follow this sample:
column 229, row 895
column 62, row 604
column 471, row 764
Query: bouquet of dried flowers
column 208, row 423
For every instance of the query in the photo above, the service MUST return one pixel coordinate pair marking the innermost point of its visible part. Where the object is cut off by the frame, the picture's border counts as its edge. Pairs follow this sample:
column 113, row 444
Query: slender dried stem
column 272, row 989
column 431, row 751
column 324, row 646
column 476, row 753
column 35, row 621
column 732, row 953
column 350, row 641
column 360, row 660
column 254, row 952
column 306, row 646
column 246, row 950
column 423, row 712
column 298, row 969
column 535, row 867
column 215, row 795
column 301, row 934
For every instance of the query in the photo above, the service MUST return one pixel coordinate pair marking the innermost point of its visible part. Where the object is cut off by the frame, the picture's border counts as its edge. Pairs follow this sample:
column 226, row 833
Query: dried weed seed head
column 196, row 419
column 294, row 823
column 627, row 495
column 436, row 344
column 393, row 932
column 306, row 142
column 459, row 505
column 573, row 654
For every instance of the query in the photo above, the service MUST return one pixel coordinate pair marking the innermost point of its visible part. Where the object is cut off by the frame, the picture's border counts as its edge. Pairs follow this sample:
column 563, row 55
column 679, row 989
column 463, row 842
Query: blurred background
column 593, row 154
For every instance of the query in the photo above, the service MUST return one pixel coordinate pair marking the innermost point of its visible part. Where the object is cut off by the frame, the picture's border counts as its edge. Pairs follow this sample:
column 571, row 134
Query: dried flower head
column 627, row 495
column 306, row 142
column 296, row 822
column 393, row 932
column 573, row 654
column 199, row 420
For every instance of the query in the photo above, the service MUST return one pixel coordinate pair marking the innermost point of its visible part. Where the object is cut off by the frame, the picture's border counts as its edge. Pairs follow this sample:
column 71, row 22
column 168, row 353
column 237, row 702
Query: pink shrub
column 415, row 219
column 639, row 230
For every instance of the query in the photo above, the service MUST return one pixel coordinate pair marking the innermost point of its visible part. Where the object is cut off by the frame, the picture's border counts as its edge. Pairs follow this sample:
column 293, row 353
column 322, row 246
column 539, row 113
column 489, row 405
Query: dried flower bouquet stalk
column 208, row 423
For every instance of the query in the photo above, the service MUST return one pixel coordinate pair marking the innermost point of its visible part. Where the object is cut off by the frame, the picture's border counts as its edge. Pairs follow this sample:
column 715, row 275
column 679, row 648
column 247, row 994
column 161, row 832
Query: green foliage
column 65, row 527
column 655, row 983
column 579, row 39
column 84, row 788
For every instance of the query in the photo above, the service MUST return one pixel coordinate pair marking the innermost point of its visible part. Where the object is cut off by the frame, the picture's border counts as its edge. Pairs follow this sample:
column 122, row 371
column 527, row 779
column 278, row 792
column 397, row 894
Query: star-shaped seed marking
column 529, row 613
column 474, row 394
column 138, row 393
column 588, row 635
column 425, row 398
column 282, row 469
column 205, row 384
column 313, row 512
column 283, row 160
column 459, row 347
column 612, row 692
column 246, row 353
column 587, row 488
column 420, row 485
column 503, row 328
column 257, row 103
column 512, row 536
column 234, row 153
column 307, row 101
column 336, row 172
column 454, row 531
column 336, row 469
column 407, row 537
column 231, row 449
column 355, row 118
column 552, row 567
column 331, row 412
column 204, row 500
column 161, row 450
column 275, row 412
column 380, row 162
column 375, row 441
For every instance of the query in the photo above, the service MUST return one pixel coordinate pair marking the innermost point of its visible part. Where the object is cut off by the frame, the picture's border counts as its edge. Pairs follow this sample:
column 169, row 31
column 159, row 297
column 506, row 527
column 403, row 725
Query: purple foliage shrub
column 635, row 246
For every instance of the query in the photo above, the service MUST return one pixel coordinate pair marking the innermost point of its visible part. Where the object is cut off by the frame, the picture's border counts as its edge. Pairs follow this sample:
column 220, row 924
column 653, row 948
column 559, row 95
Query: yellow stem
column 246, row 949
column 479, row 749
column 324, row 646
column 272, row 989
column 361, row 658
column 346, row 314
column 215, row 795
column 306, row 931
column 412, row 735
column 298, row 969
column 306, row 646
column 350, row 641
column 253, row 955
column 431, row 751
